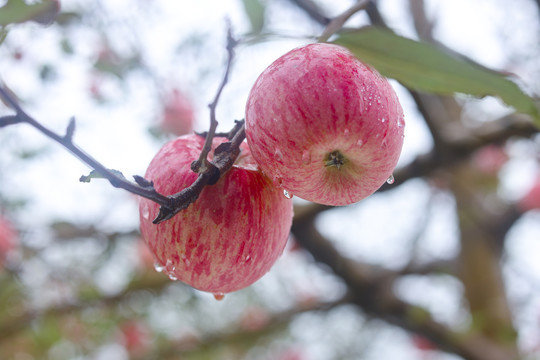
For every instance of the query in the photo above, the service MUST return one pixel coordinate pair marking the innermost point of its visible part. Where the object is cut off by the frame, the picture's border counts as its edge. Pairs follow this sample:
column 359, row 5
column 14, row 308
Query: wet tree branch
column 312, row 10
column 66, row 140
column 370, row 288
column 209, row 171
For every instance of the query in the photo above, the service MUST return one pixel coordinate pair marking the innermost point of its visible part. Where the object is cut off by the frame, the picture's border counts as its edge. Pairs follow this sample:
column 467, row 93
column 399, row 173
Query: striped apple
column 324, row 126
column 230, row 236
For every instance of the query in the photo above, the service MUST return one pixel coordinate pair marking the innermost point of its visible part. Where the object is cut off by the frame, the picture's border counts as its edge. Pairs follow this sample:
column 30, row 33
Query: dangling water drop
column 287, row 194
column 172, row 276
column 219, row 296
column 159, row 267
column 390, row 180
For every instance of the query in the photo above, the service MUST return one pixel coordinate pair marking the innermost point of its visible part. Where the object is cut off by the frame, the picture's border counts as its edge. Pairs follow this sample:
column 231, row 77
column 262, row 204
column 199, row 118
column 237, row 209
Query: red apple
column 254, row 318
column 178, row 114
column 490, row 159
column 230, row 236
column 422, row 343
column 136, row 337
column 145, row 257
column 531, row 200
column 8, row 238
column 324, row 126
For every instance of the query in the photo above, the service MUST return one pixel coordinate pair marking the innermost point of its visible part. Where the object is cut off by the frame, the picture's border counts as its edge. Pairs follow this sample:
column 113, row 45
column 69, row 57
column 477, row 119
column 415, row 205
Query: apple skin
column 324, row 126
column 178, row 114
column 230, row 236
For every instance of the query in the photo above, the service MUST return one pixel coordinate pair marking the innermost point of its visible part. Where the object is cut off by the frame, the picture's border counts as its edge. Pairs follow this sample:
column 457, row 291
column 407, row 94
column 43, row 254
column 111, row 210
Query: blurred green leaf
column 3, row 34
column 67, row 46
column 255, row 12
column 18, row 11
column 95, row 175
column 424, row 67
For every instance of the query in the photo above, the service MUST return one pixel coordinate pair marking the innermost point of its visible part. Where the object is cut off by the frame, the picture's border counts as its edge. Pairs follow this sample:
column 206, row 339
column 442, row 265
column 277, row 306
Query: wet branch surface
column 208, row 171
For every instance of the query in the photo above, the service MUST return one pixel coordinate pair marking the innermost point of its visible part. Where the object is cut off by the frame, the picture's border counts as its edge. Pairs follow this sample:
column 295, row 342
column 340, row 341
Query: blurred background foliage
column 441, row 264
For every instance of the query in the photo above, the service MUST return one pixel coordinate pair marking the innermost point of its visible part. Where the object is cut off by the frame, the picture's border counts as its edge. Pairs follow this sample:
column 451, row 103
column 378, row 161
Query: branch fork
column 209, row 172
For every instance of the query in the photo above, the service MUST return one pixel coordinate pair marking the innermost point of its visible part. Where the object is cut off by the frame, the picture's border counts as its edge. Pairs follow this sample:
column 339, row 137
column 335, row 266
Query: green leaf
column 255, row 12
column 424, row 67
column 95, row 175
column 17, row 11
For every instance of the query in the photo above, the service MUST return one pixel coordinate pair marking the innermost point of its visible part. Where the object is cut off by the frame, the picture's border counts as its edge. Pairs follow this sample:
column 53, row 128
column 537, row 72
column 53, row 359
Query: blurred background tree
column 441, row 264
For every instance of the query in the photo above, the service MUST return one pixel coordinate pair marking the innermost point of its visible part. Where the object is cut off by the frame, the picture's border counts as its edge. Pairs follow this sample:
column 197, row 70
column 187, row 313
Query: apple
column 136, row 337
column 324, row 126
column 178, row 114
column 489, row 159
column 254, row 318
column 531, row 200
column 8, row 238
column 422, row 343
column 230, row 236
column 144, row 256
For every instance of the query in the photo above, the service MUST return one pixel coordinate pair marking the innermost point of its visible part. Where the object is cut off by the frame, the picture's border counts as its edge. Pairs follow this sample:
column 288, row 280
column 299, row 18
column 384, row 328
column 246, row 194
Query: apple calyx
column 335, row 158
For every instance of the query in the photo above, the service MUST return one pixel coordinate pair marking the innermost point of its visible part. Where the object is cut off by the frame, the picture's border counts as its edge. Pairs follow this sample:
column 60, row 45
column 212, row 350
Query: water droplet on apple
column 247, row 258
column 186, row 260
column 145, row 212
column 383, row 120
column 360, row 142
column 401, row 122
column 172, row 276
column 278, row 154
column 169, row 269
column 219, row 296
column 159, row 267
column 346, row 132
column 390, row 180
column 306, row 157
column 277, row 181
column 287, row 194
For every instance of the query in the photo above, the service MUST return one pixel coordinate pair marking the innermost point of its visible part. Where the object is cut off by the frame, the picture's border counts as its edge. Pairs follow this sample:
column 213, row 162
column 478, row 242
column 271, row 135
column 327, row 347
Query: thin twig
column 209, row 171
column 337, row 23
column 202, row 164
column 224, row 155
column 66, row 141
